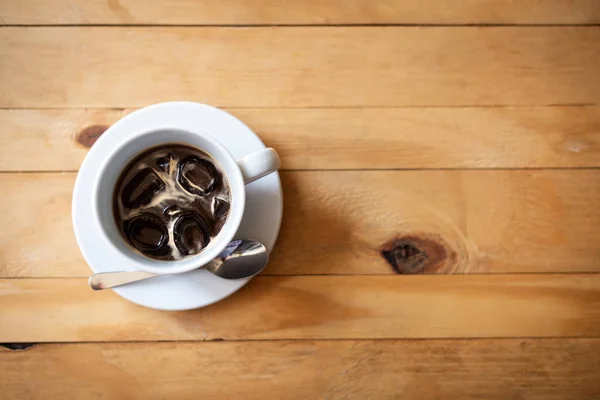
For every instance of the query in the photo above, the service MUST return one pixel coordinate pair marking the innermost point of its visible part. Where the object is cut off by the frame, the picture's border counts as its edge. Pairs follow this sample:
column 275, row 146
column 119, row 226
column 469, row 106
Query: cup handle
column 258, row 164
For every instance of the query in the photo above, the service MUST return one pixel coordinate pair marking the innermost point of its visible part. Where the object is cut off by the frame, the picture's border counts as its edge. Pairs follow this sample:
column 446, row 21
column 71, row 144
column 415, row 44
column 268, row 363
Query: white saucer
column 261, row 221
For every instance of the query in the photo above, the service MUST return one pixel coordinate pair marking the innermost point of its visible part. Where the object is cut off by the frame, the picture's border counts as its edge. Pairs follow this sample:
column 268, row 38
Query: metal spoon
column 240, row 259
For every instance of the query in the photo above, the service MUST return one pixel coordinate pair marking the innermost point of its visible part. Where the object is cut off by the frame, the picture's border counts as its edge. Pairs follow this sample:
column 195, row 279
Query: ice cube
column 190, row 233
column 198, row 176
column 141, row 188
column 220, row 207
column 172, row 210
column 148, row 234
column 164, row 163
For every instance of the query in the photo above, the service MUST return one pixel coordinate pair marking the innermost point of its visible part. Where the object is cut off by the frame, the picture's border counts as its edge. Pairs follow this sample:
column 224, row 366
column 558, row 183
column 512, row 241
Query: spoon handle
column 107, row 280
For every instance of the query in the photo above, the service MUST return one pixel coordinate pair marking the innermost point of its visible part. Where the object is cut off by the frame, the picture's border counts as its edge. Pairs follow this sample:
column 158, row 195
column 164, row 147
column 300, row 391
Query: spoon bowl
column 240, row 259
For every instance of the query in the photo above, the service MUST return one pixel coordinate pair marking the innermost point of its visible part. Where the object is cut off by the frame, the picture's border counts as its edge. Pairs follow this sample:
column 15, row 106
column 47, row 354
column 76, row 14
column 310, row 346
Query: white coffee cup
column 238, row 173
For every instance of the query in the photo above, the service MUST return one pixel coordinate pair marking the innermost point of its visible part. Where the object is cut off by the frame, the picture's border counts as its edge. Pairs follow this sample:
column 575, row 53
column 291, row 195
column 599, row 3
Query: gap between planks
column 305, row 12
column 31, row 345
column 242, row 26
column 524, row 169
column 322, row 107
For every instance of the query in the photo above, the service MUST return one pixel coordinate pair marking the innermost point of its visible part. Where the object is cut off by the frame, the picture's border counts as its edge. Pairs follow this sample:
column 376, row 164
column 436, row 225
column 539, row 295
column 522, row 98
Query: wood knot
column 418, row 253
column 88, row 136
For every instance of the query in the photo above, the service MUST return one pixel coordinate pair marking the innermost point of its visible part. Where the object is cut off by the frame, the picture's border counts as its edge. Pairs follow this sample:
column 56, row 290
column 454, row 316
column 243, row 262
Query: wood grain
column 418, row 370
column 339, row 222
column 298, row 66
column 364, row 261
column 315, row 307
column 361, row 138
column 244, row 12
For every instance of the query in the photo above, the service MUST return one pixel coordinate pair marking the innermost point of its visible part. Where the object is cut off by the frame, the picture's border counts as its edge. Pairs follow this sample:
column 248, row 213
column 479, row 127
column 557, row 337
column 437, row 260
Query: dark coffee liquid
column 171, row 201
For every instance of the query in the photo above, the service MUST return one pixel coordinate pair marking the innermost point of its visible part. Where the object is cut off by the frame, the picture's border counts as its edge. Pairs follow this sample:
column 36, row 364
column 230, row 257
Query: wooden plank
column 494, row 369
column 495, row 137
column 244, row 12
column 298, row 66
column 315, row 307
column 54, row 140
column 339, row 222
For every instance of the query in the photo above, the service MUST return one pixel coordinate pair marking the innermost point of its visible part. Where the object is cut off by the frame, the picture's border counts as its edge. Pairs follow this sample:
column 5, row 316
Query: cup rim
column 236, row 182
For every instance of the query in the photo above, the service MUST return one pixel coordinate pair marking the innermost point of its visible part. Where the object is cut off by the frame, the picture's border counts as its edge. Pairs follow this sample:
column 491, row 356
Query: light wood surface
column 315, row 307
column 546, row 369
column 339, row 222
column 249, row 12
column 299, row 66
column 441, row 185
column 355, row 138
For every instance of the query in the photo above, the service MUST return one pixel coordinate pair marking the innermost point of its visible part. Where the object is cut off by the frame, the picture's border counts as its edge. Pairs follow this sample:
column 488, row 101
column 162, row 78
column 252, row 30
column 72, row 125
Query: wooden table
column 441, row 236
